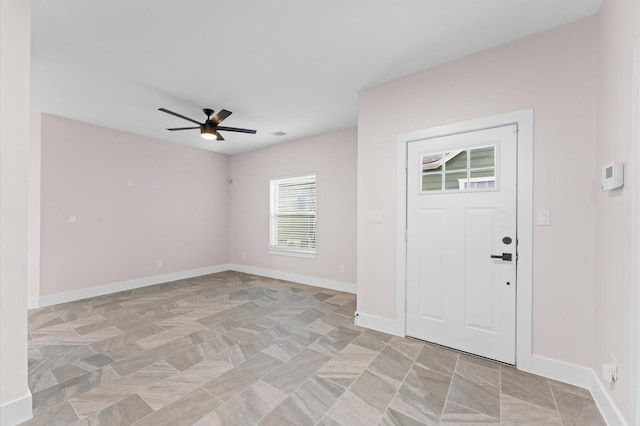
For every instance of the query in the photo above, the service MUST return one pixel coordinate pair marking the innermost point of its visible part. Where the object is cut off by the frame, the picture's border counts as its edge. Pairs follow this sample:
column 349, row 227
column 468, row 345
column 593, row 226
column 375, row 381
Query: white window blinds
column 293, row 214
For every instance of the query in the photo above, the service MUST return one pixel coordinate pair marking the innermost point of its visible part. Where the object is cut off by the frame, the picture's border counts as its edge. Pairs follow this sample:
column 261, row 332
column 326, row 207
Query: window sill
column 293, row 253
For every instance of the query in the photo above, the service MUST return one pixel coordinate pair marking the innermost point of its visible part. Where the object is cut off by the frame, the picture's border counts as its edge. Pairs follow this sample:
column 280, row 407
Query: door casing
column 524, row 120
column 634, row 178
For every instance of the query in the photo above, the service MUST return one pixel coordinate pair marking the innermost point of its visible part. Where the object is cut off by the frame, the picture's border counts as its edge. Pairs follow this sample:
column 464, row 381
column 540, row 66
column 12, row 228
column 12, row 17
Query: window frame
column 274, row 248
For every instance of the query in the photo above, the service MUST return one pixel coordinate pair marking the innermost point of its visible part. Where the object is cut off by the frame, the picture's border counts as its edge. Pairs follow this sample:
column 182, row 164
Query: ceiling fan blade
column 235, row 129
column 219, row 137
column 221, row 115
column 179, row 115
column 183, row 128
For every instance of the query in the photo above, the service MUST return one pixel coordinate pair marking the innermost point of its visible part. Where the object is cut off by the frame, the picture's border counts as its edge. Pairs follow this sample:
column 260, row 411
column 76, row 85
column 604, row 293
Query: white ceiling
column 280, row 65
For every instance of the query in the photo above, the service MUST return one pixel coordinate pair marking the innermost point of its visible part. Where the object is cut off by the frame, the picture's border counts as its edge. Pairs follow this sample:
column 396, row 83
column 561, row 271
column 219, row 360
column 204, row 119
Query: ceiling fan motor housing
column 208, row 127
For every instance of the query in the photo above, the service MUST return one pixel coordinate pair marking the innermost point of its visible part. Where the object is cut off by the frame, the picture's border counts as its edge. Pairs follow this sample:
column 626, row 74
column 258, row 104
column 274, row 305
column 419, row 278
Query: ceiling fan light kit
column 208, row 136
column 209, row 129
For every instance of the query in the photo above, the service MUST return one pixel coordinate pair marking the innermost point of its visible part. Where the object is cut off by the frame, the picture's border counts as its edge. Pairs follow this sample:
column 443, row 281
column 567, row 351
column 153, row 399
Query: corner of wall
column 15, row 24
column 33, row 227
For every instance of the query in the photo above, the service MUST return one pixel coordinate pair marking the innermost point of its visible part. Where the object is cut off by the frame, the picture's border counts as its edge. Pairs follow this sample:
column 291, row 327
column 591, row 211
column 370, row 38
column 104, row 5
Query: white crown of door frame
column 524, row 120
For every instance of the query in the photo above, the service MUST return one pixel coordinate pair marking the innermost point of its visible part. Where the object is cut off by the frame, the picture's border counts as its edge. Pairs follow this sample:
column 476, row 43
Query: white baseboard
column 607, row 407
column 85, row 293
column 561, row 371
column 298, row 278
column 377, row 323
column 16, row 411
column 579, row 376
column 70, row 296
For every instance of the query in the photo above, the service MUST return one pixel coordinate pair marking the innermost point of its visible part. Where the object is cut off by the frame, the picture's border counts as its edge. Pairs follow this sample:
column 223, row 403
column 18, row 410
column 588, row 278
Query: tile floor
column 236, row 349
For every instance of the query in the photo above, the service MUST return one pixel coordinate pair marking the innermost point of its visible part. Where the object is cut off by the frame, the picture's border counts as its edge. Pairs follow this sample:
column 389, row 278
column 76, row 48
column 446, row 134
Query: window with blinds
column 293, row 215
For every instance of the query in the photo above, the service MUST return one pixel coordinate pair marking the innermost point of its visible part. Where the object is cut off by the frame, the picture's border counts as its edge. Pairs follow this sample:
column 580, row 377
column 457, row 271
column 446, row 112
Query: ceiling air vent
column 278, row 133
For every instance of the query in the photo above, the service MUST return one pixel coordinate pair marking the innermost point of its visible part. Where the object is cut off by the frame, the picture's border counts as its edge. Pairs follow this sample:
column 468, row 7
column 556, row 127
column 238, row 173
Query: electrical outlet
column 610, row 371
column 341, row 268
column 129, row 183
column 607, row 374
column 159, row 263
column 244, row 255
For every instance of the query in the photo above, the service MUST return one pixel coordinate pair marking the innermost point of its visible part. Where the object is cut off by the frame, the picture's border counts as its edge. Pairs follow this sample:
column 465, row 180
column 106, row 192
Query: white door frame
column 634, row 416
column 524, row 119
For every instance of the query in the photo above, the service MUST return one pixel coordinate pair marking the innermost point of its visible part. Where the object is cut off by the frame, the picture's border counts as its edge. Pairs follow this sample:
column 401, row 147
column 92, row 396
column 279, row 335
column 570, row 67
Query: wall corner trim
column 16, row 411
column 85, row 293
column 583, row 377
column 298, row 278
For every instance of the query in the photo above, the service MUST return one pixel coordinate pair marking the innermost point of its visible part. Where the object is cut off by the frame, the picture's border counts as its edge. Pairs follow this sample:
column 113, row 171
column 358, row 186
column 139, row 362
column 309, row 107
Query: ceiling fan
column 209, row 129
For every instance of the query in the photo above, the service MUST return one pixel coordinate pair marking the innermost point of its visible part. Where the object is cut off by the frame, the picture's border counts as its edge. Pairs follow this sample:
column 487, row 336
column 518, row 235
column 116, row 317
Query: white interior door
column 461, row 207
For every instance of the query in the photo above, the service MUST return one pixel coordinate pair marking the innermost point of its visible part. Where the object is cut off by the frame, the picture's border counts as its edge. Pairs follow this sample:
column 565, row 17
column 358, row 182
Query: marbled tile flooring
column 236, row 349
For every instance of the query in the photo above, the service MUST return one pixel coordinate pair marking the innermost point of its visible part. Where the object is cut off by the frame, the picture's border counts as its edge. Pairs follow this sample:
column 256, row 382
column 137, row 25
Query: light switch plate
column 375, row 217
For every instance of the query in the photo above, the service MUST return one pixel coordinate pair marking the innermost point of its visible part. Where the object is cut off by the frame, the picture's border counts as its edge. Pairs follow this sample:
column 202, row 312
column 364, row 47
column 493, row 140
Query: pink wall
column 619, row 28
column 121, row 232
column 194, row 219
column 555, row 73
column 15, row 399
column 333, row 158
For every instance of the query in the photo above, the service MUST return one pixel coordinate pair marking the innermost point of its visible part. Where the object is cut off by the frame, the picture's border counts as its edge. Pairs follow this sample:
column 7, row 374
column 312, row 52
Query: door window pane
column 432, row 163
column 483, row 157
column 453, row 180
column 456, row 160
column 432, row 182
column 460, row 170
column 488, row 173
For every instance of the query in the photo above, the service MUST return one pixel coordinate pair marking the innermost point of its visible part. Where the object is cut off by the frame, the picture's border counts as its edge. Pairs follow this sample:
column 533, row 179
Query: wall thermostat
column 612, row 176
